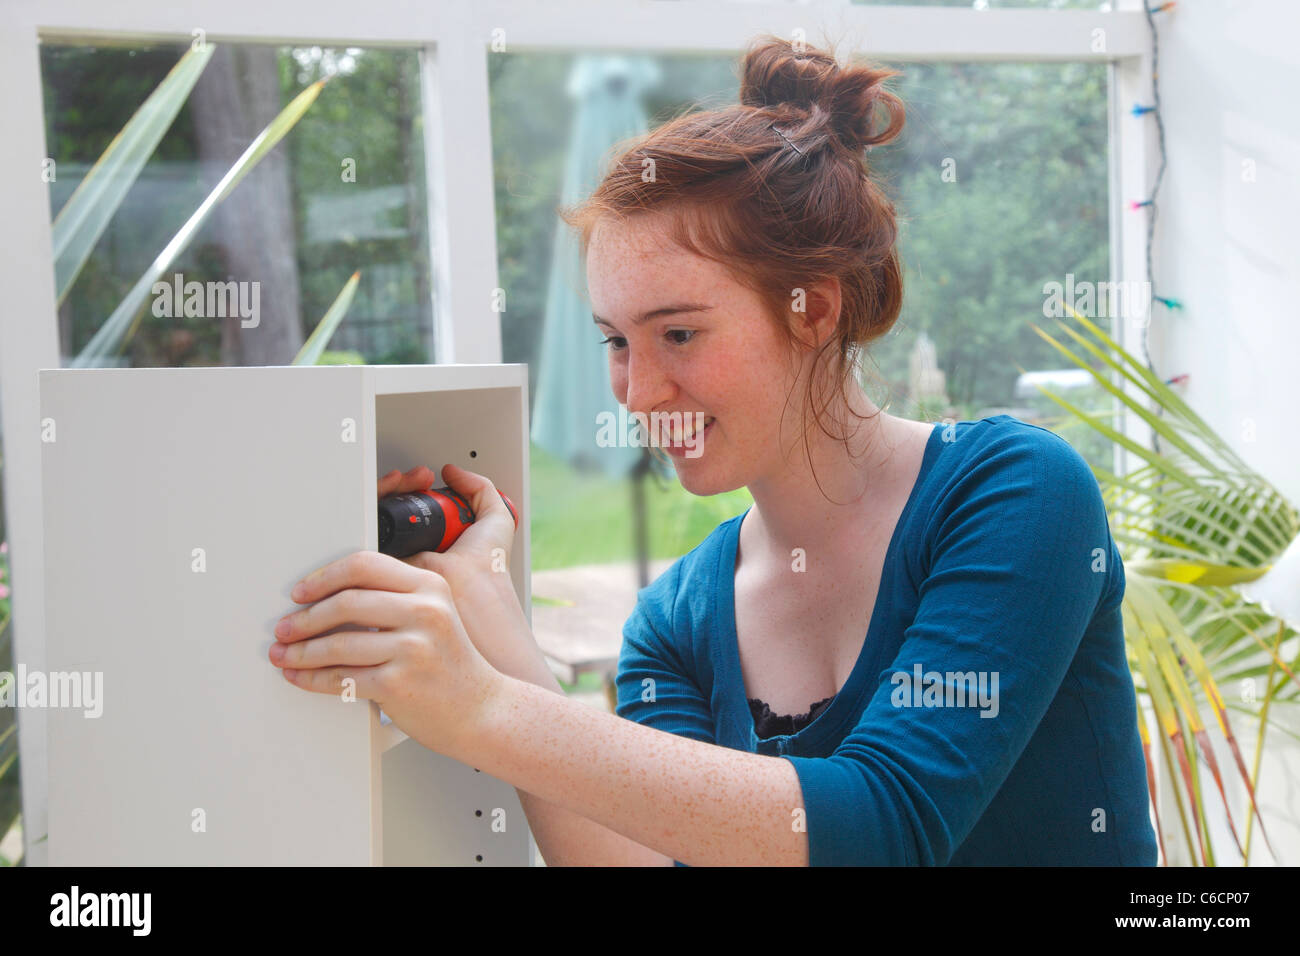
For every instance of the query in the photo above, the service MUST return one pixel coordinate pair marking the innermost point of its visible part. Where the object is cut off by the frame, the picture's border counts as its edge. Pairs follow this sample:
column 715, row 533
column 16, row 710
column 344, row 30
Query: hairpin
column 773, row 126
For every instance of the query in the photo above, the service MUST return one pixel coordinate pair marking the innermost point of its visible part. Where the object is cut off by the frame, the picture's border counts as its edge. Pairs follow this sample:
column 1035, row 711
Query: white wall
column 1229, row 250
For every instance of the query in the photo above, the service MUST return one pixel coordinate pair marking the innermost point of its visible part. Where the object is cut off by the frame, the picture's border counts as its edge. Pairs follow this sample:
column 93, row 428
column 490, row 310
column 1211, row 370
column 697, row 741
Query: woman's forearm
column 489, row 608
column 688, row 800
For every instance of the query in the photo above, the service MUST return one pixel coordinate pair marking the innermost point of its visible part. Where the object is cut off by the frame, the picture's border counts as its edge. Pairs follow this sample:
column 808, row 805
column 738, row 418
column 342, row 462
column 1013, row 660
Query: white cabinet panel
column 180, row 505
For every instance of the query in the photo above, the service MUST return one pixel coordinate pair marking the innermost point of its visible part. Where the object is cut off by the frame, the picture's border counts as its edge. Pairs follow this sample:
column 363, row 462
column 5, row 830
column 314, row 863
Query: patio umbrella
column 573, row 388
column 573, row 395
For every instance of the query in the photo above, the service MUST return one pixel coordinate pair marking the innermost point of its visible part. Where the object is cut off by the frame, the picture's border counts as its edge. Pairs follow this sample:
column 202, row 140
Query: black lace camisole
column 768, row 724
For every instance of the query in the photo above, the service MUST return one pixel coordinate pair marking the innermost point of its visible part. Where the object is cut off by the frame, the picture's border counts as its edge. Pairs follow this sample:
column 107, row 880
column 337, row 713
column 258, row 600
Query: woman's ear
column 820, row 316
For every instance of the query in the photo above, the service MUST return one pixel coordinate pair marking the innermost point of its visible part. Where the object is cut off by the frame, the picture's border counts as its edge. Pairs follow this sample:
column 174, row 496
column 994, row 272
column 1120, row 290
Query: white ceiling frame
column 456, row 39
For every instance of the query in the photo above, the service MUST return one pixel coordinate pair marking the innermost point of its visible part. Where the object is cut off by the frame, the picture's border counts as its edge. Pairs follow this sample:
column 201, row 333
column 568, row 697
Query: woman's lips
column 693, row 444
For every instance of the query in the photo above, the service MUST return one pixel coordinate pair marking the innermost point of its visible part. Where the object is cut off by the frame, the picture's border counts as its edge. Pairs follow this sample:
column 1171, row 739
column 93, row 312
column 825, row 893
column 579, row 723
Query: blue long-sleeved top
column 1001, row 577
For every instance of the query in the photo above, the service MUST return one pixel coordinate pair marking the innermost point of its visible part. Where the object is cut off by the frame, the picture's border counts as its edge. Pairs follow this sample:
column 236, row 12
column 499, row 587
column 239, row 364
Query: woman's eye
column 622, row 345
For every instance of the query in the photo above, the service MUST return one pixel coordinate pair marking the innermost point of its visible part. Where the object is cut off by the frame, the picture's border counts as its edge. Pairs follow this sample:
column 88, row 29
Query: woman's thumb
column 476, row 489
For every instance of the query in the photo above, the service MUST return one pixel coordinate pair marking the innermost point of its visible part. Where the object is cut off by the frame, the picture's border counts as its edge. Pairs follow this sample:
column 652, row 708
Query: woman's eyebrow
column 658, row 313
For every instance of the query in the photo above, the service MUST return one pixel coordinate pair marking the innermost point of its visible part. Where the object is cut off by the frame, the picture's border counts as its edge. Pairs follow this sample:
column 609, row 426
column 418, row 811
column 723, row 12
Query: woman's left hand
column 420, row 667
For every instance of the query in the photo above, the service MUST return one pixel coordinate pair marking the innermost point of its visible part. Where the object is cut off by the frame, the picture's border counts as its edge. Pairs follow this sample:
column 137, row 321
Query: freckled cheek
column 618, row 381
column 726, row 390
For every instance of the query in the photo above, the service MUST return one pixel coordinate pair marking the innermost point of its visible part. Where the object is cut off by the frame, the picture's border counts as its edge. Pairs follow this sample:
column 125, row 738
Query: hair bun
column 775, row 76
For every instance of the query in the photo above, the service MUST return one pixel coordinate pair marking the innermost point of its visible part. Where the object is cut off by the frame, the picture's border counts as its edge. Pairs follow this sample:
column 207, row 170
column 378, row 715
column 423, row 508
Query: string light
column 1140, row 110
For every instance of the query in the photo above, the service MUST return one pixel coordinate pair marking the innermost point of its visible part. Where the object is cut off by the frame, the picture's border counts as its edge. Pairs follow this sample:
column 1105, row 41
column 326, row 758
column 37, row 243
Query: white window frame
column 456, row 39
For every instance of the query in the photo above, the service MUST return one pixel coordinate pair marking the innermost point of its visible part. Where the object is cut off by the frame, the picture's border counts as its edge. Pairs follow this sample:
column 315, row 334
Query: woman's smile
column 684, row 446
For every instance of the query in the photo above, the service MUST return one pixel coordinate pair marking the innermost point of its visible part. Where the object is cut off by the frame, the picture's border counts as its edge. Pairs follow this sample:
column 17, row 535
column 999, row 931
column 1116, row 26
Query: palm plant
column 1193, row 523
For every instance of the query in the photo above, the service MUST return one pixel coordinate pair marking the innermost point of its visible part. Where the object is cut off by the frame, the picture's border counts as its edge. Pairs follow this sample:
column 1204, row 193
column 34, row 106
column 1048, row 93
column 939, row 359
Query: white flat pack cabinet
column 180, row 506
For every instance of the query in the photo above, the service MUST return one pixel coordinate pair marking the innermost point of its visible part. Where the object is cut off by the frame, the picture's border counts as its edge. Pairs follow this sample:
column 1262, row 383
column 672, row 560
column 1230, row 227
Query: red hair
column 776, row 189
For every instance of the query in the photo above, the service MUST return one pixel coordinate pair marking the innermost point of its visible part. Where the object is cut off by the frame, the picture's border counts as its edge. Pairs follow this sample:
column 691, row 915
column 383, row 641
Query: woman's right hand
column 477, row 567
column 481, row 549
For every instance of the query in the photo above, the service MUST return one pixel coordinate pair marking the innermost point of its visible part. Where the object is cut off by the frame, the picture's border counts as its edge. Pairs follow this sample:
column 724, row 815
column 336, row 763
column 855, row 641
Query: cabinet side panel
column 429, row 800
column 180, row 506
column 439, row 812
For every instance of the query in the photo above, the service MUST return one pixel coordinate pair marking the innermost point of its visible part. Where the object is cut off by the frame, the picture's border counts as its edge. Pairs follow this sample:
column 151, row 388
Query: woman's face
column 716, row 354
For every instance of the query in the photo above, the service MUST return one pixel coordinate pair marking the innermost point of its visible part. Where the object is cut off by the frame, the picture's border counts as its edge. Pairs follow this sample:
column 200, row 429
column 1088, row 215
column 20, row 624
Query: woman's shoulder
column 1016, row 503
column 1004, row 447
column 1001, row 478
column 997, row 430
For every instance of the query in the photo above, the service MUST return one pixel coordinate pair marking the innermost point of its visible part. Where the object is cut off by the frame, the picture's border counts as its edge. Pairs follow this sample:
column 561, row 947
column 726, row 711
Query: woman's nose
column 647, row 387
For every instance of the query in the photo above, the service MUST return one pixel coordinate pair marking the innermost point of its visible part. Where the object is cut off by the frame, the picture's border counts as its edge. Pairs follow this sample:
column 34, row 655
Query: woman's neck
column 799, row 503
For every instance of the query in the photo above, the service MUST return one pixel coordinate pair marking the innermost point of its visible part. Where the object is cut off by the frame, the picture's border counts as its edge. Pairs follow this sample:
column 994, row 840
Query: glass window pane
column 342, row 192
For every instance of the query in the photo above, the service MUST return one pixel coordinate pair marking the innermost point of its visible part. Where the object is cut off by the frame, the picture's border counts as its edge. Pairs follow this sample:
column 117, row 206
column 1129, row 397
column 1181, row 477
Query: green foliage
column 1027, row 144
column 581, row 518
column 408, row 352
column 530, row 134
column 341, row 358
column 371, row 213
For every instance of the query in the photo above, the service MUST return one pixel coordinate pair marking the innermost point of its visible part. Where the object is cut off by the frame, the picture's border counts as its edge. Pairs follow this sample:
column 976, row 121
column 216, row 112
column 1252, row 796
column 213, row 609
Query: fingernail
column 282, row 629
column 298, row 591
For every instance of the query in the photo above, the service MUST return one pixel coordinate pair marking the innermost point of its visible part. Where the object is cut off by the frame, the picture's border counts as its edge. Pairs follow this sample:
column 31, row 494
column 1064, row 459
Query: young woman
column 908, row 650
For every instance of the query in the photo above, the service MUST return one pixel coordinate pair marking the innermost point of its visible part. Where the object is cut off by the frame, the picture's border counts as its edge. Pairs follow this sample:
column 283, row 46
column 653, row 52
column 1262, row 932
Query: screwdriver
column 416, row 521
